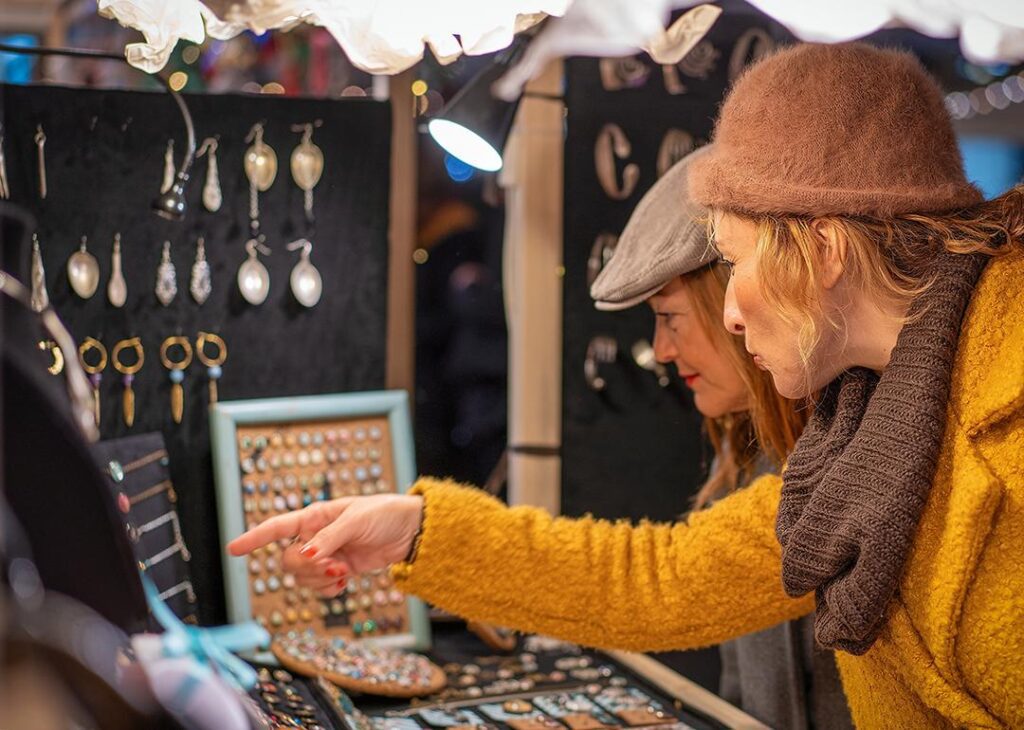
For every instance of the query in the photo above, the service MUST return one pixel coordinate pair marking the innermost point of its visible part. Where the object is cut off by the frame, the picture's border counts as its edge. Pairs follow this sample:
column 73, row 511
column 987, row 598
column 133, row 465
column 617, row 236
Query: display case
column 272, row 456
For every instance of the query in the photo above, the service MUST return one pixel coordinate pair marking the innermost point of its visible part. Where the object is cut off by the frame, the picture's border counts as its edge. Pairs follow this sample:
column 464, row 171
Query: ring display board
column 276, row 455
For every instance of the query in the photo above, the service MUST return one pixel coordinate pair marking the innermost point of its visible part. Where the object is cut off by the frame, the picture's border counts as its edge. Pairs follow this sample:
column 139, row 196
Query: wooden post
column 401, row 318
column 532, row 179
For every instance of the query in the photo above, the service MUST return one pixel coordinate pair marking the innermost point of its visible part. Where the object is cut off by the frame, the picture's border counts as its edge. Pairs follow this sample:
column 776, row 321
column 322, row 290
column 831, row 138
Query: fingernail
column 308, row 551
column 342, row 583
column 334, row 572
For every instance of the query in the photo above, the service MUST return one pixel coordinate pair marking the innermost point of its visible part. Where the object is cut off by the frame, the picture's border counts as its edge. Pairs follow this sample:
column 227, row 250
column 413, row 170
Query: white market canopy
column 389, row 36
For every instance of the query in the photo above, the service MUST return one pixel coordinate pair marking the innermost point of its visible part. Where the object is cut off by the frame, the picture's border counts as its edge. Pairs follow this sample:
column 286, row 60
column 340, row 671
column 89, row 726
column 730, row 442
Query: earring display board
column 105, row 160
column 277, row 455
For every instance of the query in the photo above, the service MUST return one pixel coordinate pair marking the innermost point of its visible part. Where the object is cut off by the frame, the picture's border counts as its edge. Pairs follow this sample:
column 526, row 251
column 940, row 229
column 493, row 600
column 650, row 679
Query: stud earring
column 166, row 277
column 176, row 372
column 212, row 196
column 169, row 170
column 213, row 364
column 200, row 284
column 95, row 371
column 128, row 375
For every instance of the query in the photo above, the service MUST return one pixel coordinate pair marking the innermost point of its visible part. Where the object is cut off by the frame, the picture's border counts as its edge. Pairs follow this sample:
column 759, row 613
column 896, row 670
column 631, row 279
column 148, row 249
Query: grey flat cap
column 664, row 238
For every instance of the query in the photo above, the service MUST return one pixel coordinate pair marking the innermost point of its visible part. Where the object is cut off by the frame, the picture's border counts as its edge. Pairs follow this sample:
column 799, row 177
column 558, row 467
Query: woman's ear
column 833, row 251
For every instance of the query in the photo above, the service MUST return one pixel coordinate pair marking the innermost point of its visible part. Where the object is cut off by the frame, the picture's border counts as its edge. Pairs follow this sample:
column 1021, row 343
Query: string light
column 419, row 87
column 177, row 80
column 984, row 100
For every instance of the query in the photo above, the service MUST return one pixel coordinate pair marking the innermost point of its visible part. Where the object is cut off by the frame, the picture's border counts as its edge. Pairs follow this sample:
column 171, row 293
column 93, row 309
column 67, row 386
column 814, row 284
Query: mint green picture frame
column 226, row 417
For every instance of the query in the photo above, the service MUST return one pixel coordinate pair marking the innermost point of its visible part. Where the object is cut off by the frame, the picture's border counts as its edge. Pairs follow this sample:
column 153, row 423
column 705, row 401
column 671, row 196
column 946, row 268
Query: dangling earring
column 212, row 197
column 307, row 163
column 213, row 364
column 95, row 371
column 166, row 277
column 261, row 169
column 117, row 287
column 128, row 375
column 40, row 139
column 39, row 298
column 169, row 170
column 200, row 285
column 253, row 277
column 57, row 366
column 5, row 188
column 307, row 286
column 176, row 371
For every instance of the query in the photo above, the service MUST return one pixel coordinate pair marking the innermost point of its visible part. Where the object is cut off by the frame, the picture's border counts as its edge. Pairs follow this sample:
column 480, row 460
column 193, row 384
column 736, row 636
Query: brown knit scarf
column 859, row 477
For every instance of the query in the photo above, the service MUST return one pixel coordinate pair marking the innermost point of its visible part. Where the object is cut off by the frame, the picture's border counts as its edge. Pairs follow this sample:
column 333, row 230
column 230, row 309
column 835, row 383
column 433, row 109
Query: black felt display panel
column 104, row 160
column 635, row 450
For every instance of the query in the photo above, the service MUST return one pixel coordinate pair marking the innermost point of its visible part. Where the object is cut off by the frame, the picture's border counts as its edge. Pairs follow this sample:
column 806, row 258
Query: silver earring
column 307, row 163
column 253, row 277
column 39, row 298
column 5, row 188
column 117, row 287
column 212, row 196
column 41, row 159
column 166, row 277
column 260, row 168
column 83, row 271
column 307, row 286
column 168, row 167
column 200, row 285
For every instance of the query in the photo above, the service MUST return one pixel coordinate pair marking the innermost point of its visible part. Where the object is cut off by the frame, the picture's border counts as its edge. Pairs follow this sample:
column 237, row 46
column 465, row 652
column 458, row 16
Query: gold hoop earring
column 95, row 371
column 57, row 366
column 213, row 364
column 128, row 375
column 176, row 372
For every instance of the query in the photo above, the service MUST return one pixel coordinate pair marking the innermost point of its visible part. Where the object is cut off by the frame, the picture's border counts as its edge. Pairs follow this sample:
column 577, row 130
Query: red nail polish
column 334, row 572
column 342, row 583
column 308, row 551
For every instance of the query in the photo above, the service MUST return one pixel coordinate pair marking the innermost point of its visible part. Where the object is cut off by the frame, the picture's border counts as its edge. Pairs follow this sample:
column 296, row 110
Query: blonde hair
column 772, row 424
column 888, row 259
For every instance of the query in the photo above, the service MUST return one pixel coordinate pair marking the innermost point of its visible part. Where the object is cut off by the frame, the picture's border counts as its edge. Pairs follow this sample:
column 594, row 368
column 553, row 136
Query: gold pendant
column 176, row 372
column 128, row 375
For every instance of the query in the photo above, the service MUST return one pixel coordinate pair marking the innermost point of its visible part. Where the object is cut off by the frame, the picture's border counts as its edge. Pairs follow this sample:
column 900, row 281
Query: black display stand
column 104, row 164
column 635, row 450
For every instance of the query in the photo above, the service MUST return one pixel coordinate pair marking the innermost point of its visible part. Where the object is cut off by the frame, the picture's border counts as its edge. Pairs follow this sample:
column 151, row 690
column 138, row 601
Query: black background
column 103, row 176
column 635, row 450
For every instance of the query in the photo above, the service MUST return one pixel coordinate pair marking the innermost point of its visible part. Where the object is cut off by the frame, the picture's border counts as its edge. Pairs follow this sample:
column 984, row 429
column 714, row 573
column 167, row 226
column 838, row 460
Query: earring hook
column 305, row 244
column 253, row 245
column 256, row 133
column 209, row 145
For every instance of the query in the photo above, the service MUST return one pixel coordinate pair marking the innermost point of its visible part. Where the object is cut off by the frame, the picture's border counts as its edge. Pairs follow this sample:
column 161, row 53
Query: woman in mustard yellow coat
column 866, row 267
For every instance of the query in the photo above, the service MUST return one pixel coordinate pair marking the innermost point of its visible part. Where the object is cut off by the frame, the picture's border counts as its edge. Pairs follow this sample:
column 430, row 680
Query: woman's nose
column 664, row 350
column 731, row 312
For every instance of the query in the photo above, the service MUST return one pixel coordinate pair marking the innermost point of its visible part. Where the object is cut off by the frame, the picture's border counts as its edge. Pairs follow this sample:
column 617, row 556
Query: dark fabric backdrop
column 104, row 157
column 636, row 450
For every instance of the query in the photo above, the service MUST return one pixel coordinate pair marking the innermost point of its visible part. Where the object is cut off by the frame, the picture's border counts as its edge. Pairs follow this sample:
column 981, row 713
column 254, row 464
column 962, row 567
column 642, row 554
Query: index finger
column 280, row 527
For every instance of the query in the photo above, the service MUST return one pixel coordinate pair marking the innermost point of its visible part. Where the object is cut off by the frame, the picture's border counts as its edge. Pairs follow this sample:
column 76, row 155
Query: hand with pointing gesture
column 338, row 538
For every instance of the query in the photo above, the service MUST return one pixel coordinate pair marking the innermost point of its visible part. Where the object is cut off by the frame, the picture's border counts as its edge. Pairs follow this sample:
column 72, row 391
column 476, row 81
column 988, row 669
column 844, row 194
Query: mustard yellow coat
column 952, row 651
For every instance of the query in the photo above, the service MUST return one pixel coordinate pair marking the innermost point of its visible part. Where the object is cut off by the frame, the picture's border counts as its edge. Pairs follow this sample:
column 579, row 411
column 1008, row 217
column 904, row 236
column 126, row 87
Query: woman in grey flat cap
column 456, row 546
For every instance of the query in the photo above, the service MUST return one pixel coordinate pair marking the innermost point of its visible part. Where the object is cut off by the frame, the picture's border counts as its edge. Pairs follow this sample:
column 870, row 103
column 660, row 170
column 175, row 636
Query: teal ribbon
column 209, row 647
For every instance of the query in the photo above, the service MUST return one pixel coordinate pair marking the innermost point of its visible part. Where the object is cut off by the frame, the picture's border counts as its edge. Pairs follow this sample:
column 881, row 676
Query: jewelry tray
column 137, row 470
column 275, row 455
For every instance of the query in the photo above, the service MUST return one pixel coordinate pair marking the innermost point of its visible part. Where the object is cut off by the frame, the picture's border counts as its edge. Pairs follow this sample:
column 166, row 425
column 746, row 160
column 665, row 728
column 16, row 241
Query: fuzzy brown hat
column 834, row 129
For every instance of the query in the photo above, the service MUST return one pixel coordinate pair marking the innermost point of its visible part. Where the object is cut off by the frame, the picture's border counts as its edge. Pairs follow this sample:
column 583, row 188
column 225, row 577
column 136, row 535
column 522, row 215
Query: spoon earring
column 260, row 166
column 253, row 277
column 307, row 286
column 307, row 163
column 83, row 271
column 212, row 196
column 117, row 288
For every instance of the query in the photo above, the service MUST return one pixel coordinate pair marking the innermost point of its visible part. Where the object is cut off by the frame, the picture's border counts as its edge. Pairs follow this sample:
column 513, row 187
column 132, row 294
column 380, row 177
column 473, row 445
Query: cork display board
column 279, row 455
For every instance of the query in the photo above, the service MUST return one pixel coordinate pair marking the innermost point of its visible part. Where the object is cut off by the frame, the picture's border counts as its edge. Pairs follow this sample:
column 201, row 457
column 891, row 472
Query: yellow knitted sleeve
column 612, row 585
